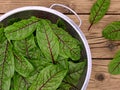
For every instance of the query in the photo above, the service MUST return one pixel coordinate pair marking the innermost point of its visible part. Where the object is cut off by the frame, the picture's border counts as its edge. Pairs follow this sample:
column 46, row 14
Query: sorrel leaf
column 6, row 65
column 27, row 47
column 61, row 24
column 112, row 31
column 47, row 40
column 69, row 46
column 49, row 78
column 98, row 10
column 19, row 82
column 114, row 65
column 39, row 65
column 22, row 29
column 74, row 73
column 22, row 65
column 36, row 53
column 2, row 36
column 64, row 86
column 63, row 62
column 13, row 20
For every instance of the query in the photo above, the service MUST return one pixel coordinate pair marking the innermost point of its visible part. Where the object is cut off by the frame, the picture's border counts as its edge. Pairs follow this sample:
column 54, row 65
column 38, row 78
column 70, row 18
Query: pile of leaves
column 111, row 31
column 36, row 54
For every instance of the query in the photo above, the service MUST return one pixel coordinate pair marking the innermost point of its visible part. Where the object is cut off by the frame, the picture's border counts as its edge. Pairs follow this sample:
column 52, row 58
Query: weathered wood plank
column 80, row 6
column 101, row 79
column 100, row 47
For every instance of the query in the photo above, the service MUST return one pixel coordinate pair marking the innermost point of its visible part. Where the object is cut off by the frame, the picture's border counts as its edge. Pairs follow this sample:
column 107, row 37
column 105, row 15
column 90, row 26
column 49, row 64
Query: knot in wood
column 111, row 46
column 100, row 77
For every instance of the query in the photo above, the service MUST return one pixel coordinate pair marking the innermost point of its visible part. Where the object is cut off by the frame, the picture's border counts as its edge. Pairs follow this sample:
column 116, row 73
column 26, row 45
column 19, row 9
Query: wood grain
column 101, row 79
column 80, row 6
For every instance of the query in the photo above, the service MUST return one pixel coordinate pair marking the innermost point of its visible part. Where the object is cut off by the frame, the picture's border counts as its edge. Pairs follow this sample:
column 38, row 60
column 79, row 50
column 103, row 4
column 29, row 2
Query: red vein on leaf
column 95, row 16
column 22, row 28
column 20, row 81
column 61, row 40
column 4, row 60
column 26, row 82
column 20, row 60
column 116, row 67
column 26, row 48
column 113, row 31
column 49, row 46
column 48, row 80
column 71, row 49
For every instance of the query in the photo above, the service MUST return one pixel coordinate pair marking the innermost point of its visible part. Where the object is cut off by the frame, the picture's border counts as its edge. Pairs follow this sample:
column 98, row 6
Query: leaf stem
column 90, row 26
column 97, row 13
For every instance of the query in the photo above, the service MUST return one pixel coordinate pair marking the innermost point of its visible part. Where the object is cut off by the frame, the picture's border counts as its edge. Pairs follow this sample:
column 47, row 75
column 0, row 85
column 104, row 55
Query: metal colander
column 72, row 28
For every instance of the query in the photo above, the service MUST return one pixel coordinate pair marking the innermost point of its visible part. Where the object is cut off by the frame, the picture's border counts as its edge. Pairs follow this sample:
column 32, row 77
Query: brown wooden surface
column 80, row 6
column 101, row 79
column 102, row 50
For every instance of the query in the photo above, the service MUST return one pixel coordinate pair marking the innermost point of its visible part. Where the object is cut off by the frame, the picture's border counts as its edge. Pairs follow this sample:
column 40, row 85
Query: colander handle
column 61, row 5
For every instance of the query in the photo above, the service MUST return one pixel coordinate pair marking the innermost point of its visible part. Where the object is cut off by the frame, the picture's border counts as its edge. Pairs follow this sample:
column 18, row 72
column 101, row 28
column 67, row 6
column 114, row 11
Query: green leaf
column 64, row 86
column 98, row 10
column 13, row 20
column 114, row 65
column 63, row 62
column 22, row 65
column 20, row 83
column 22, row 29
column 47, row 40
column 69, row 46
column 24, row 46
column 74, row 73
column 27, row 48
column 6, row 65
column 11, row 85
column 36, row 53
column 2, row 36
column 1, row 25
column 112, row 31
column 61, row 24
column 39, row 65
column 49, row 78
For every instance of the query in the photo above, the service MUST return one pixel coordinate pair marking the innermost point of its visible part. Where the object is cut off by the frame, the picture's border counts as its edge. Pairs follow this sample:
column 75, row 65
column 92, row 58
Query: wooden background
column 102, row 50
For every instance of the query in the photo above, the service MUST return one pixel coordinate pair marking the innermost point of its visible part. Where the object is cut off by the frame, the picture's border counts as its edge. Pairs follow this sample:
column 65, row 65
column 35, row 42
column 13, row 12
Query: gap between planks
column 80, row 6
